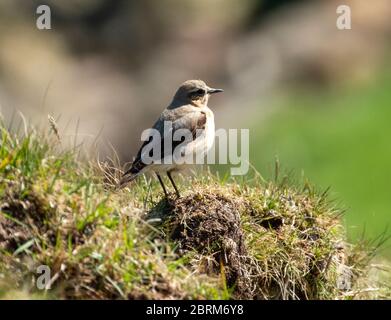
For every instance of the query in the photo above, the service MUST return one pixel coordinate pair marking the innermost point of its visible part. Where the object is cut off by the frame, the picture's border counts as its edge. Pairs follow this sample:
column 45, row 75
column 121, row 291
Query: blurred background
column 316, row 97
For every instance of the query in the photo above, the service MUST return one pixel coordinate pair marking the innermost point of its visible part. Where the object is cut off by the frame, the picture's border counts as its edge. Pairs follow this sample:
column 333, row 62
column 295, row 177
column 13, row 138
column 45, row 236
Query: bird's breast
column 209, row 128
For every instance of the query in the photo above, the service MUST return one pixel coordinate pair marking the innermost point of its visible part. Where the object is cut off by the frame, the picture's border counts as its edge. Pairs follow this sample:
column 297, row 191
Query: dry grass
column 221, row 240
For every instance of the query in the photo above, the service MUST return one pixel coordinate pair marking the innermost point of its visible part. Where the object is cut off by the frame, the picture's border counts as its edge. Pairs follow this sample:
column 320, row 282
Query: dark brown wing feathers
column 194, row 121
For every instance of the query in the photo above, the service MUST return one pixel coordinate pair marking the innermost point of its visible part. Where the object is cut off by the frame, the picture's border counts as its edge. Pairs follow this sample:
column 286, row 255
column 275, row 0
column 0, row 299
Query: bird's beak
column 212, row 90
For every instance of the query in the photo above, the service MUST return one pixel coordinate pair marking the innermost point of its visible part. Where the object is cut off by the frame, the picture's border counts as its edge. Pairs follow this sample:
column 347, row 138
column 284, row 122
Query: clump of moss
column 230, row 240
column 210, row 224
column 270, row 242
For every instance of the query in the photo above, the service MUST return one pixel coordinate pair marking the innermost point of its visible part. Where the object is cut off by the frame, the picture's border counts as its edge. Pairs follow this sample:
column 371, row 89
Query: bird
column 189, row 111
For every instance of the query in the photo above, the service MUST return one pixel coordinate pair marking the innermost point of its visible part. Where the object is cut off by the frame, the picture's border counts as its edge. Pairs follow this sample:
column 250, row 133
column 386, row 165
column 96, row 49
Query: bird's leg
column 173, row 184
column 162, row 184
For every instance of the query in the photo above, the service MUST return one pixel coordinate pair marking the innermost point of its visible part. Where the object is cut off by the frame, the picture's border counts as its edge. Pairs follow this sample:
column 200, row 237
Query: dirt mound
column 263, row 246
column 210, row 224
column 21, row 219
column 28, row 217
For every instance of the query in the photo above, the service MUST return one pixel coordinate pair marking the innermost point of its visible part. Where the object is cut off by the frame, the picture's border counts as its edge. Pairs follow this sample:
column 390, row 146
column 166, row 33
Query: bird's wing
column 181, row 119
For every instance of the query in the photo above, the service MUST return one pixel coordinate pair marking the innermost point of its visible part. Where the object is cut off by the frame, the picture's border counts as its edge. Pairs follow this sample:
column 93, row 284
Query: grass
column 221, row 240
column 338, row 138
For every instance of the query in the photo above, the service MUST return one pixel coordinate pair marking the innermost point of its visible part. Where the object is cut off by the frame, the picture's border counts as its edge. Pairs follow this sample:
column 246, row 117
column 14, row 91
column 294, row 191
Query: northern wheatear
column 188, row 111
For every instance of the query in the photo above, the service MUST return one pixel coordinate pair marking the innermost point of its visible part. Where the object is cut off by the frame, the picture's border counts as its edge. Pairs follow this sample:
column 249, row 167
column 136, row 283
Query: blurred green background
column 316, row 97
column 338, row 139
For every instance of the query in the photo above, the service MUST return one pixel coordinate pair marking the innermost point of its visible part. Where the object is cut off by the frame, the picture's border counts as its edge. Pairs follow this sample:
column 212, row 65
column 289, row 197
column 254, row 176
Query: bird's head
column 194, row 92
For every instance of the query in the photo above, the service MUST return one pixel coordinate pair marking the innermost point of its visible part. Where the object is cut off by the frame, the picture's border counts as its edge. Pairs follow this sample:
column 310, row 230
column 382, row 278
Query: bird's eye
column 196, row 94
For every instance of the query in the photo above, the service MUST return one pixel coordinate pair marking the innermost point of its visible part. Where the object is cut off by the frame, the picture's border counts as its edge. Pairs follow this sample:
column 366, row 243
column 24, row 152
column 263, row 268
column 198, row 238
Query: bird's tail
column 136, row 169
column 126, row 178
